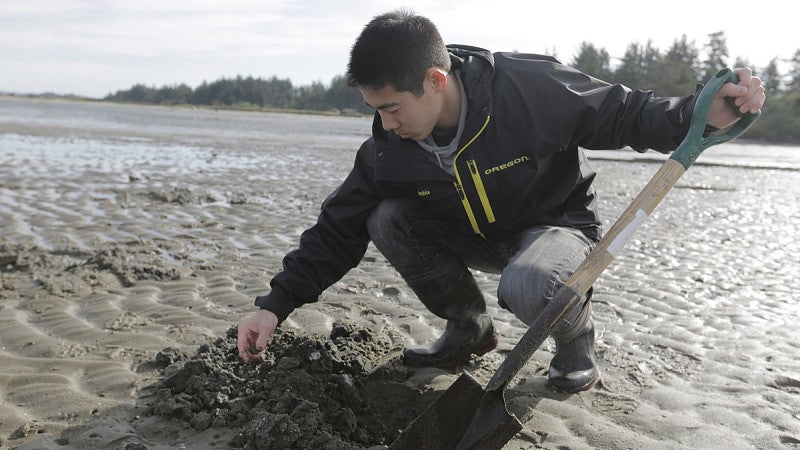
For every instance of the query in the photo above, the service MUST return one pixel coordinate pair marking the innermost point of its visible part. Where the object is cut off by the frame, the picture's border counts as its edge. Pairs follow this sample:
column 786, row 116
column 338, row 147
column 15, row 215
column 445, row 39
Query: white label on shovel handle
column 618, row 243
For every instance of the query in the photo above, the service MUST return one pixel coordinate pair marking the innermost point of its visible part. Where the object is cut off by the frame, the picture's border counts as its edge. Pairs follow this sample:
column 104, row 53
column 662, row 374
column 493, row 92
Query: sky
column 93, row 48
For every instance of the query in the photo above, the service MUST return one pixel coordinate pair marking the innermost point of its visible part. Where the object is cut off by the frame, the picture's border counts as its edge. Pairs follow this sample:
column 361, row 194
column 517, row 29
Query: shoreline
column 253, row 108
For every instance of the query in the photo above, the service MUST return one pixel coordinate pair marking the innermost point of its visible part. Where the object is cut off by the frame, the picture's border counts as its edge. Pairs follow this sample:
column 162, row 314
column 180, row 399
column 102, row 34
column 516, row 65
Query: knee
column 527, row 297
column 383, row 224
column 531, row 280
column 524, row 292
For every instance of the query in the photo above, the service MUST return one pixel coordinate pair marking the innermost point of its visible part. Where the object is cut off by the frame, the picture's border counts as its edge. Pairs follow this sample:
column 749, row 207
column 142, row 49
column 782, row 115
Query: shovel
column 467, row 416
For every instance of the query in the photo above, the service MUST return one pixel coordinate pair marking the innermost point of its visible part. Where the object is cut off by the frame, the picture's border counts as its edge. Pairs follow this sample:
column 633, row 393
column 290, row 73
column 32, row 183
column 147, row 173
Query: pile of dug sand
column 340, row 392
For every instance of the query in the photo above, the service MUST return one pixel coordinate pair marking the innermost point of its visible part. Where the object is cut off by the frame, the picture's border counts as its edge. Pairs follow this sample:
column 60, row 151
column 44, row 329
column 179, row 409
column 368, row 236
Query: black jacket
column 518, row 166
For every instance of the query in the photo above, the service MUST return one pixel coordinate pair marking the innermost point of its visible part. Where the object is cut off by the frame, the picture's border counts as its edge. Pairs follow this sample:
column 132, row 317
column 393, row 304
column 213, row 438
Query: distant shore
column 246, row 108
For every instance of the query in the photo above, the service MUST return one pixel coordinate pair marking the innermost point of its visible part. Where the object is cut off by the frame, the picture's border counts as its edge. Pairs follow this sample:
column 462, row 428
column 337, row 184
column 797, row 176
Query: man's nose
column 388, row 123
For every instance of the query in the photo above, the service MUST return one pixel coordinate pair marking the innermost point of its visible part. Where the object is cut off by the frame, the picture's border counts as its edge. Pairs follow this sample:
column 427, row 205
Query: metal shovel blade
column 444, row 421
column 464, row 416
column 492, row 425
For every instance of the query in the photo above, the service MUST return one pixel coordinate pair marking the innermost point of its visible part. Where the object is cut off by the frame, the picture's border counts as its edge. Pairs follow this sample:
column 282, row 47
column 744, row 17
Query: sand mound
column 343, row 391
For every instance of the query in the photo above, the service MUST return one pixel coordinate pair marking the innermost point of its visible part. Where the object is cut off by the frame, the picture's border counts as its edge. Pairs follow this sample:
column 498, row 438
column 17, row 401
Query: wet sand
column 108, row 259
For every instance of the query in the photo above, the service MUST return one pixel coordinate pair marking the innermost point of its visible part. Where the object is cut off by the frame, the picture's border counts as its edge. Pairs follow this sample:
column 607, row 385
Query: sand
column 121, row 277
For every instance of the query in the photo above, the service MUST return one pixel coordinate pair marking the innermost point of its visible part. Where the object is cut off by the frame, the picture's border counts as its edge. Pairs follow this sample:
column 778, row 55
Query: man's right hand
column 254, row 332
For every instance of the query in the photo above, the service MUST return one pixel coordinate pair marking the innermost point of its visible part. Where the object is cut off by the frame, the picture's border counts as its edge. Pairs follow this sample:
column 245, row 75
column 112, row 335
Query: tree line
column 672, row 72
column 253, row 93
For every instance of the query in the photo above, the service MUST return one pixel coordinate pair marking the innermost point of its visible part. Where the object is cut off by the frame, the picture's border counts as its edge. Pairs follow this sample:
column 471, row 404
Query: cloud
column 100, row 46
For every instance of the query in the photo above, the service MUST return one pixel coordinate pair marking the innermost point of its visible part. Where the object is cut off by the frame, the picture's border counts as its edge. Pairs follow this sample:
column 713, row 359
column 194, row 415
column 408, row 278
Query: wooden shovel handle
column 588, row 272
column 568, row 296
column 614, row 240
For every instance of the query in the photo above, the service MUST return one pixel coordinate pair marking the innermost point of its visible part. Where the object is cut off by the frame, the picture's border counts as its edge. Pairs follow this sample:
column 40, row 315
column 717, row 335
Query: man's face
column 404, row 113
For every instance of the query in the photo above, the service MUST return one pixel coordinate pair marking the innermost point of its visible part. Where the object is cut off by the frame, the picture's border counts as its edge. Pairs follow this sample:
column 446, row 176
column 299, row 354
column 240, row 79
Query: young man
column 474, row 162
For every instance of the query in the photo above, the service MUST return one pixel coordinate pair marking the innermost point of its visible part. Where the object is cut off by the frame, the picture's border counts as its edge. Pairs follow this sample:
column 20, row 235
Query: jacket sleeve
column 611, row 116
column 569, row 108
column 330, row 248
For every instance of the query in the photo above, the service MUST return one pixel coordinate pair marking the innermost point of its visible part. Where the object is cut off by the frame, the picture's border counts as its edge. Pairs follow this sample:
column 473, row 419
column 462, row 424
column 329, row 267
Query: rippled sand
column 108, row 258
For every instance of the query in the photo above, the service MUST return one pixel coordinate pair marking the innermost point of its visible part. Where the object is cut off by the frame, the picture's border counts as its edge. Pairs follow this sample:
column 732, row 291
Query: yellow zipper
column 465, row 203
column 476, row 178
column 460, row 186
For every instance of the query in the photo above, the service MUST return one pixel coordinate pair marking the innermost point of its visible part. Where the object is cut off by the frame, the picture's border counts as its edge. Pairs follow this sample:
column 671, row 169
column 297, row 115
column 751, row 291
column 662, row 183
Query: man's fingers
column 254, row 334
column 732, row 90
column 748, row 94
column 244, row 342
column 744, row 74
column 746, row 98
column 755, row 97
column 267, row 322
column 750, row 99
column 262, row 340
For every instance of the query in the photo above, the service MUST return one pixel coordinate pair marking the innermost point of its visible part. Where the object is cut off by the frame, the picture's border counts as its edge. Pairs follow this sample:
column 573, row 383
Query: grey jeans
column 532, row 264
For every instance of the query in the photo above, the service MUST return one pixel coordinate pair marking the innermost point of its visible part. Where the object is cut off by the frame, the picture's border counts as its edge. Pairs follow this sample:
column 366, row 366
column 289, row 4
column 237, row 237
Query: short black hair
column 396, row 48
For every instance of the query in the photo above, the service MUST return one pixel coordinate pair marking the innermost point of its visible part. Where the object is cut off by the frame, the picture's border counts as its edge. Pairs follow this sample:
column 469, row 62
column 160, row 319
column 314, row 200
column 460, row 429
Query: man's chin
column 411, row 136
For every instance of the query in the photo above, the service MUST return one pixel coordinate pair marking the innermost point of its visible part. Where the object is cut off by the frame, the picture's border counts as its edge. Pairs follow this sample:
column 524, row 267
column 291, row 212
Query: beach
column 126, row 230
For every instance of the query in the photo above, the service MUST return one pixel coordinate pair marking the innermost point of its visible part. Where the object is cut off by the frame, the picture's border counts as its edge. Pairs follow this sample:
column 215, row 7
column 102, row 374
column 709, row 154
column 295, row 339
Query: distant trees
column 593, row 61
column 771, row 77
column 678, row 70
column 252, row 93
column 674, row 72
column 794, row 73
column 140, row 93
column 716, row 55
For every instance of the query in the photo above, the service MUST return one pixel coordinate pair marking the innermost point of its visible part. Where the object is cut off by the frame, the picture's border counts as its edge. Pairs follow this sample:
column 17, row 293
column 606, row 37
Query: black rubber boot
column 460, row 340
column 447, row 288
column 573, row 368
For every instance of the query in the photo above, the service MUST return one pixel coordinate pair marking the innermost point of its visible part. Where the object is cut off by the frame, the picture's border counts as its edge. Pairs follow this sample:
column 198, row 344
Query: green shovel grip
column 694, row 143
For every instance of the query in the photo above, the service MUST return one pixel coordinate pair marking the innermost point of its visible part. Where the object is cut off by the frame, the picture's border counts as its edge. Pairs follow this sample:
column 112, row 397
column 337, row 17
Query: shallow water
column 187, row 137
column 78, row 130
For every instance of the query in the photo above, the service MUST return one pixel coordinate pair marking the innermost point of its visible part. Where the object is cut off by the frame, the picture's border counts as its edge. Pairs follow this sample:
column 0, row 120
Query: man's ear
column 438, row 77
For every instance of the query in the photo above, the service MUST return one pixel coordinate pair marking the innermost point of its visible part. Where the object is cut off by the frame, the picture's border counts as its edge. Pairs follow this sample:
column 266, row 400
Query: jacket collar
column 476, row 69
